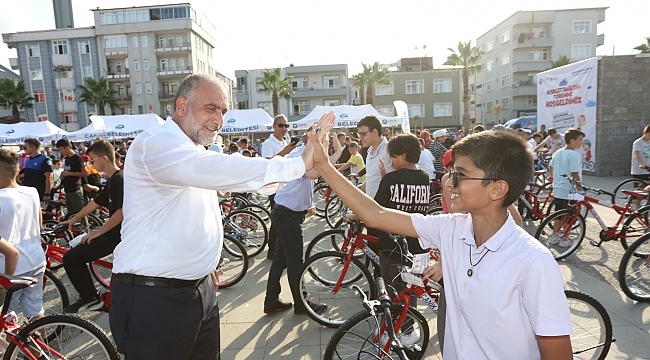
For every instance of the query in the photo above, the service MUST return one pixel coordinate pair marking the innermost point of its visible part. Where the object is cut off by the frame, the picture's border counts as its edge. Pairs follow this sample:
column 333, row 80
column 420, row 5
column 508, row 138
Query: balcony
column 319, row 91
column 67, row 106
column 523, row 41
column 531, row 66
column 117, row 75
column 174, row 49
column 177, row 71
column 524, row 90
column 166, row 96
column 123, row 98
column 13, row 62
column 64, row 83
column 115, row 53
column 600, row 40
column 61, row 60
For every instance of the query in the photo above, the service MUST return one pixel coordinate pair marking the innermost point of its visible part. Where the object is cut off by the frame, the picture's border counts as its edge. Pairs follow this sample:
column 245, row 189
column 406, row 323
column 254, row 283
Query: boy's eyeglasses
column 363, row 133
column 455, row 178
column 92, row 161
column 283, row 126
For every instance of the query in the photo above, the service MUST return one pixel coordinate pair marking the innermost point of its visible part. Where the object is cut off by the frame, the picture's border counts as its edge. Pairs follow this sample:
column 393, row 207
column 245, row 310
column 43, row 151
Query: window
column 69, row 118
column 138, row 89
column 59, row 47
column 36, row 74
column 66, row 95
column 505, row 58
column 414, row 86
column 416, row 110
column 505, row 80
column 442, row 86
column 505, row 37
column 170, row 40
column 39, row 96
column 140, row 109
column 582, row 27
column 332, row 102
column 301, row 107
column 115, row 42
column 168, row 110
column 136, row 65
column 179, row 40
column 538, row 55
column 331, row 82
column 242, row 105
column 145, row 63
column 580, row 51
column 489, row 105
column 162, row 41
column 489, row 85
column 87, row 71
column 488, row 65
column 134, row 41
column 84, row 47
column 385, row 89
column 442, row 109
column 172, row 64
column 241, row 85
column 181, row 64
column 164, row 65
column 174, row 86
column 42, row 117
column 505, row 103
column 387, row 110
column 532, row 101
column 147, row 86
column 489, row 46
column 299, row 83
column 266, row 105
column 145, row 41
column 33, row 51
column 258, row 86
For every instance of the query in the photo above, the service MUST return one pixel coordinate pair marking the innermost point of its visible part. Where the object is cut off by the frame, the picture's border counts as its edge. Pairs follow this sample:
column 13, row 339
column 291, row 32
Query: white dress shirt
column 172, row 221
column 515, row 293
column 426, row 163
column 373, row 174
column 272, row 146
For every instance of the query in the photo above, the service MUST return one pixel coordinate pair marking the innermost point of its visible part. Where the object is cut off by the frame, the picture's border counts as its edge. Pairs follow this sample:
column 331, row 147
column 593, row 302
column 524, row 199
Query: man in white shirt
column 163, row 301
column 641, row 155
column 553, row 142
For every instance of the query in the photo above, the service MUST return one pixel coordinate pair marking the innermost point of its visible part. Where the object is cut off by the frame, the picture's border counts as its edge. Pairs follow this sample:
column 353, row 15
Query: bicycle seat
column 637, row 194
column 15, row 283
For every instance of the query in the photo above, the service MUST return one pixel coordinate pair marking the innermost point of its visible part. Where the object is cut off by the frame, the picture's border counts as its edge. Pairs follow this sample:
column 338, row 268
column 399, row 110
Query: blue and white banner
column 402, row 111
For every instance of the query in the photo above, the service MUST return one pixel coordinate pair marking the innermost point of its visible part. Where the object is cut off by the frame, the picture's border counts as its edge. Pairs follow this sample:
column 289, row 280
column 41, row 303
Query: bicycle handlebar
column 587, row 188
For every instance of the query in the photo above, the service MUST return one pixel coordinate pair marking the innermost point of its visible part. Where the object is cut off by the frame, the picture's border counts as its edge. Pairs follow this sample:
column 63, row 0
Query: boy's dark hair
column 551, row 131
column 233, row 148
column 56, row 161
column 514, row 164
column 353, row 144
column 33, row 142
column 247, row 152
column 537, row 135
column 646, row 129
column 102, row 148
column 63, row 143
column 572, row 134
column 405, row 144
column 8, row 163
column 372, row 122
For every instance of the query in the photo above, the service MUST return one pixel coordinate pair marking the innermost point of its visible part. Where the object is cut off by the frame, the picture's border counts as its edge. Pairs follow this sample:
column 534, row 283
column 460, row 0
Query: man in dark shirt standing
column 37, row 172
column 73, row 171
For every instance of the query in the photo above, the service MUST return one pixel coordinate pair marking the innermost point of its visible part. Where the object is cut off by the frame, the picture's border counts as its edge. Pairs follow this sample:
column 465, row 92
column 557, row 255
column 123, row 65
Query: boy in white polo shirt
column 505, row 292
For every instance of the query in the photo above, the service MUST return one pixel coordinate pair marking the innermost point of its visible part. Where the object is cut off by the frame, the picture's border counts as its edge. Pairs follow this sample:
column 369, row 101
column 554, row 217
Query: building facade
column 521, row 46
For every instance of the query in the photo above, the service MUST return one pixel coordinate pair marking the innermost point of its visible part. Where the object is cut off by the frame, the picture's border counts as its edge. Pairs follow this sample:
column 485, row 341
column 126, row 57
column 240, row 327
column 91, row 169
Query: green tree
column 376, row 74
column 14, row 96
column 360, row 80
column 273, row 83
column 644, row 48
column 496, row 109
column 468, row 58
column 561, row 61
column 97, row 93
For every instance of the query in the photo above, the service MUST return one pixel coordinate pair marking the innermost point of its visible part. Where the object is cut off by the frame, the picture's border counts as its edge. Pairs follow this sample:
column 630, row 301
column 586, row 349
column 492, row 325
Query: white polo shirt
column 172, row 220
column 373, row 174
column 272, row 146
column 515, row 293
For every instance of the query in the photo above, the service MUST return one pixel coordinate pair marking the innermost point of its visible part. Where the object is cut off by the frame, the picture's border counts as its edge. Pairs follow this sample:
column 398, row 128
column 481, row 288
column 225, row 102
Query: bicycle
column 634, row 270
column 536, row 202
column 248, row 228
column 563, row 231
column 620, row 197
column 51, row 337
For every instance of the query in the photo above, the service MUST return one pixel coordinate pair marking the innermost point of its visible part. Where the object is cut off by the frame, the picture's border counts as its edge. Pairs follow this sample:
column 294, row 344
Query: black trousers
column 76, row 259
column 162, row 323
column 273, row 236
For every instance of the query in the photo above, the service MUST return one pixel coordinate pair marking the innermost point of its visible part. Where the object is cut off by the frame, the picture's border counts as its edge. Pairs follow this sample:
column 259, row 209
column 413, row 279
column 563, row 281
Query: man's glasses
column 363, row 133
column 283, row 126
column 456, row 177
column 92, row 161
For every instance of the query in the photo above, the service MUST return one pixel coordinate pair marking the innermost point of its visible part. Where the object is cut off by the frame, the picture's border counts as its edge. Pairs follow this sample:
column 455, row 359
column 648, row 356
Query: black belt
column 287, row 209
column 138, row 280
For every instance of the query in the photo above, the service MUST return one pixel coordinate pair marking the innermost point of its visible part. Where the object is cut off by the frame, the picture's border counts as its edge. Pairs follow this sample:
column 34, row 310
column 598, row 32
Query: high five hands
column 318, row 136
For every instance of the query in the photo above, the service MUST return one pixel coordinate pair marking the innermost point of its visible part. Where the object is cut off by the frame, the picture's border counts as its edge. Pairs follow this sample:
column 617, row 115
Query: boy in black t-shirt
column 73, row 171
column 102, row 241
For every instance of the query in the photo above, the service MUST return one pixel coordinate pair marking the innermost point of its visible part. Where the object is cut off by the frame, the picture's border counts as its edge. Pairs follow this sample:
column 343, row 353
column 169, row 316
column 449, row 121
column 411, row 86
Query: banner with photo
column 566, row 98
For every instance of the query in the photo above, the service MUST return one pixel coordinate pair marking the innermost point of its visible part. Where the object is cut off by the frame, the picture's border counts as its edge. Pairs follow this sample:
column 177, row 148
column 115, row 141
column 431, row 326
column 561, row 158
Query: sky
column 257, row 34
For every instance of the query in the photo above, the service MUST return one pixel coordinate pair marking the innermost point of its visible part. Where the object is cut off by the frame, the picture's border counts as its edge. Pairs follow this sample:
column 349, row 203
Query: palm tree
column 360, row 80
column 97, row 93
column 468, row 57
column 273, row 83
column 561, row 61
column 644, row 48
column 376, row 74
column 14, row 96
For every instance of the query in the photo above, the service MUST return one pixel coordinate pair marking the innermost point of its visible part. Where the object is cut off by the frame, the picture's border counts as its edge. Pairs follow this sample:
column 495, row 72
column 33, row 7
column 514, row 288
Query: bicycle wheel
column 635, row 225
column 63, row 336
column 260, row 211
column 317, row 278
column 328, row 240
column 233, row 263
column 634, row 271
column 322, row 194
column 55, row 296
column 335, row 209
column 250, row 229
column 620, row 198
column 359, row 337
column 60, row 237
column 101, row 273
column 592, row 328
column 571, row 230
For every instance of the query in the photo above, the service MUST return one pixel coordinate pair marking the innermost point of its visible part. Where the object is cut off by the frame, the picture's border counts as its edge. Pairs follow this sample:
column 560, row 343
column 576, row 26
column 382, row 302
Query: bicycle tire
column 68, row 331
column 256, row 234
column 357, row 337
column 592, row 328
column 619, row 198
column 636, row 223
column 60, row 238
column 334, row 211
column 328, row 240
column 545, row 229
column 260, row 211
column 316, row 279
column 320, row 198
column 102, row 274
column 634, row 271
column 55, row 295
column 233, row 263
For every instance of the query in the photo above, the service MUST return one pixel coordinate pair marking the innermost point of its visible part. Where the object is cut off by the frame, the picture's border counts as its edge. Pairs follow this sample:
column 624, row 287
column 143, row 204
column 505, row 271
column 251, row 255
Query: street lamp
column 423, row 107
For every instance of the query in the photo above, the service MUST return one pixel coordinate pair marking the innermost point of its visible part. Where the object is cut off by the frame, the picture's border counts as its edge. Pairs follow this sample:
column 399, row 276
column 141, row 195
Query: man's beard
column 194, row 131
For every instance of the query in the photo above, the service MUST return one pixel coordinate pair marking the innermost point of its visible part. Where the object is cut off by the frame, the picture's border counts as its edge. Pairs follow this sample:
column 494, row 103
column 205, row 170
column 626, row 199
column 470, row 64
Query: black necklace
column 470, row 271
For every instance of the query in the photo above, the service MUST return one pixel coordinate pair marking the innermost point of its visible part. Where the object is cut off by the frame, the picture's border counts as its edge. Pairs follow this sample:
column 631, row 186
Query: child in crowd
column 355, row 163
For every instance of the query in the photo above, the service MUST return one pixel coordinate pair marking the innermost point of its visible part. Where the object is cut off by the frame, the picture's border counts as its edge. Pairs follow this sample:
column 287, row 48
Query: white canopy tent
column 116, row 126
column 244, row 121
column 346, row 116
column 12, row 134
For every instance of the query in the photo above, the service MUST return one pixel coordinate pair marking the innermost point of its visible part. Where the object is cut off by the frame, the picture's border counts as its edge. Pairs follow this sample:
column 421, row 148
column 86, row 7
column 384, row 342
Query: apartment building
column 53, row 63
column 433, row 96
column 312, row 85
column 523, row 45
column 6, row 114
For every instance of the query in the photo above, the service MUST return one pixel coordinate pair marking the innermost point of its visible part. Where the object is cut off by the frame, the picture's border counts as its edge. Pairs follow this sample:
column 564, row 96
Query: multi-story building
column 312, row 85
column 53, row 64
column 433, row 96
column 6, row 114
column 523, row 45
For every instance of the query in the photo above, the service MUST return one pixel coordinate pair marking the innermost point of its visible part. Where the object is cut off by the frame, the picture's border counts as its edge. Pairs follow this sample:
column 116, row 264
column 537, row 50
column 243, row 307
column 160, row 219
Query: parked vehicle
column 528, row 122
